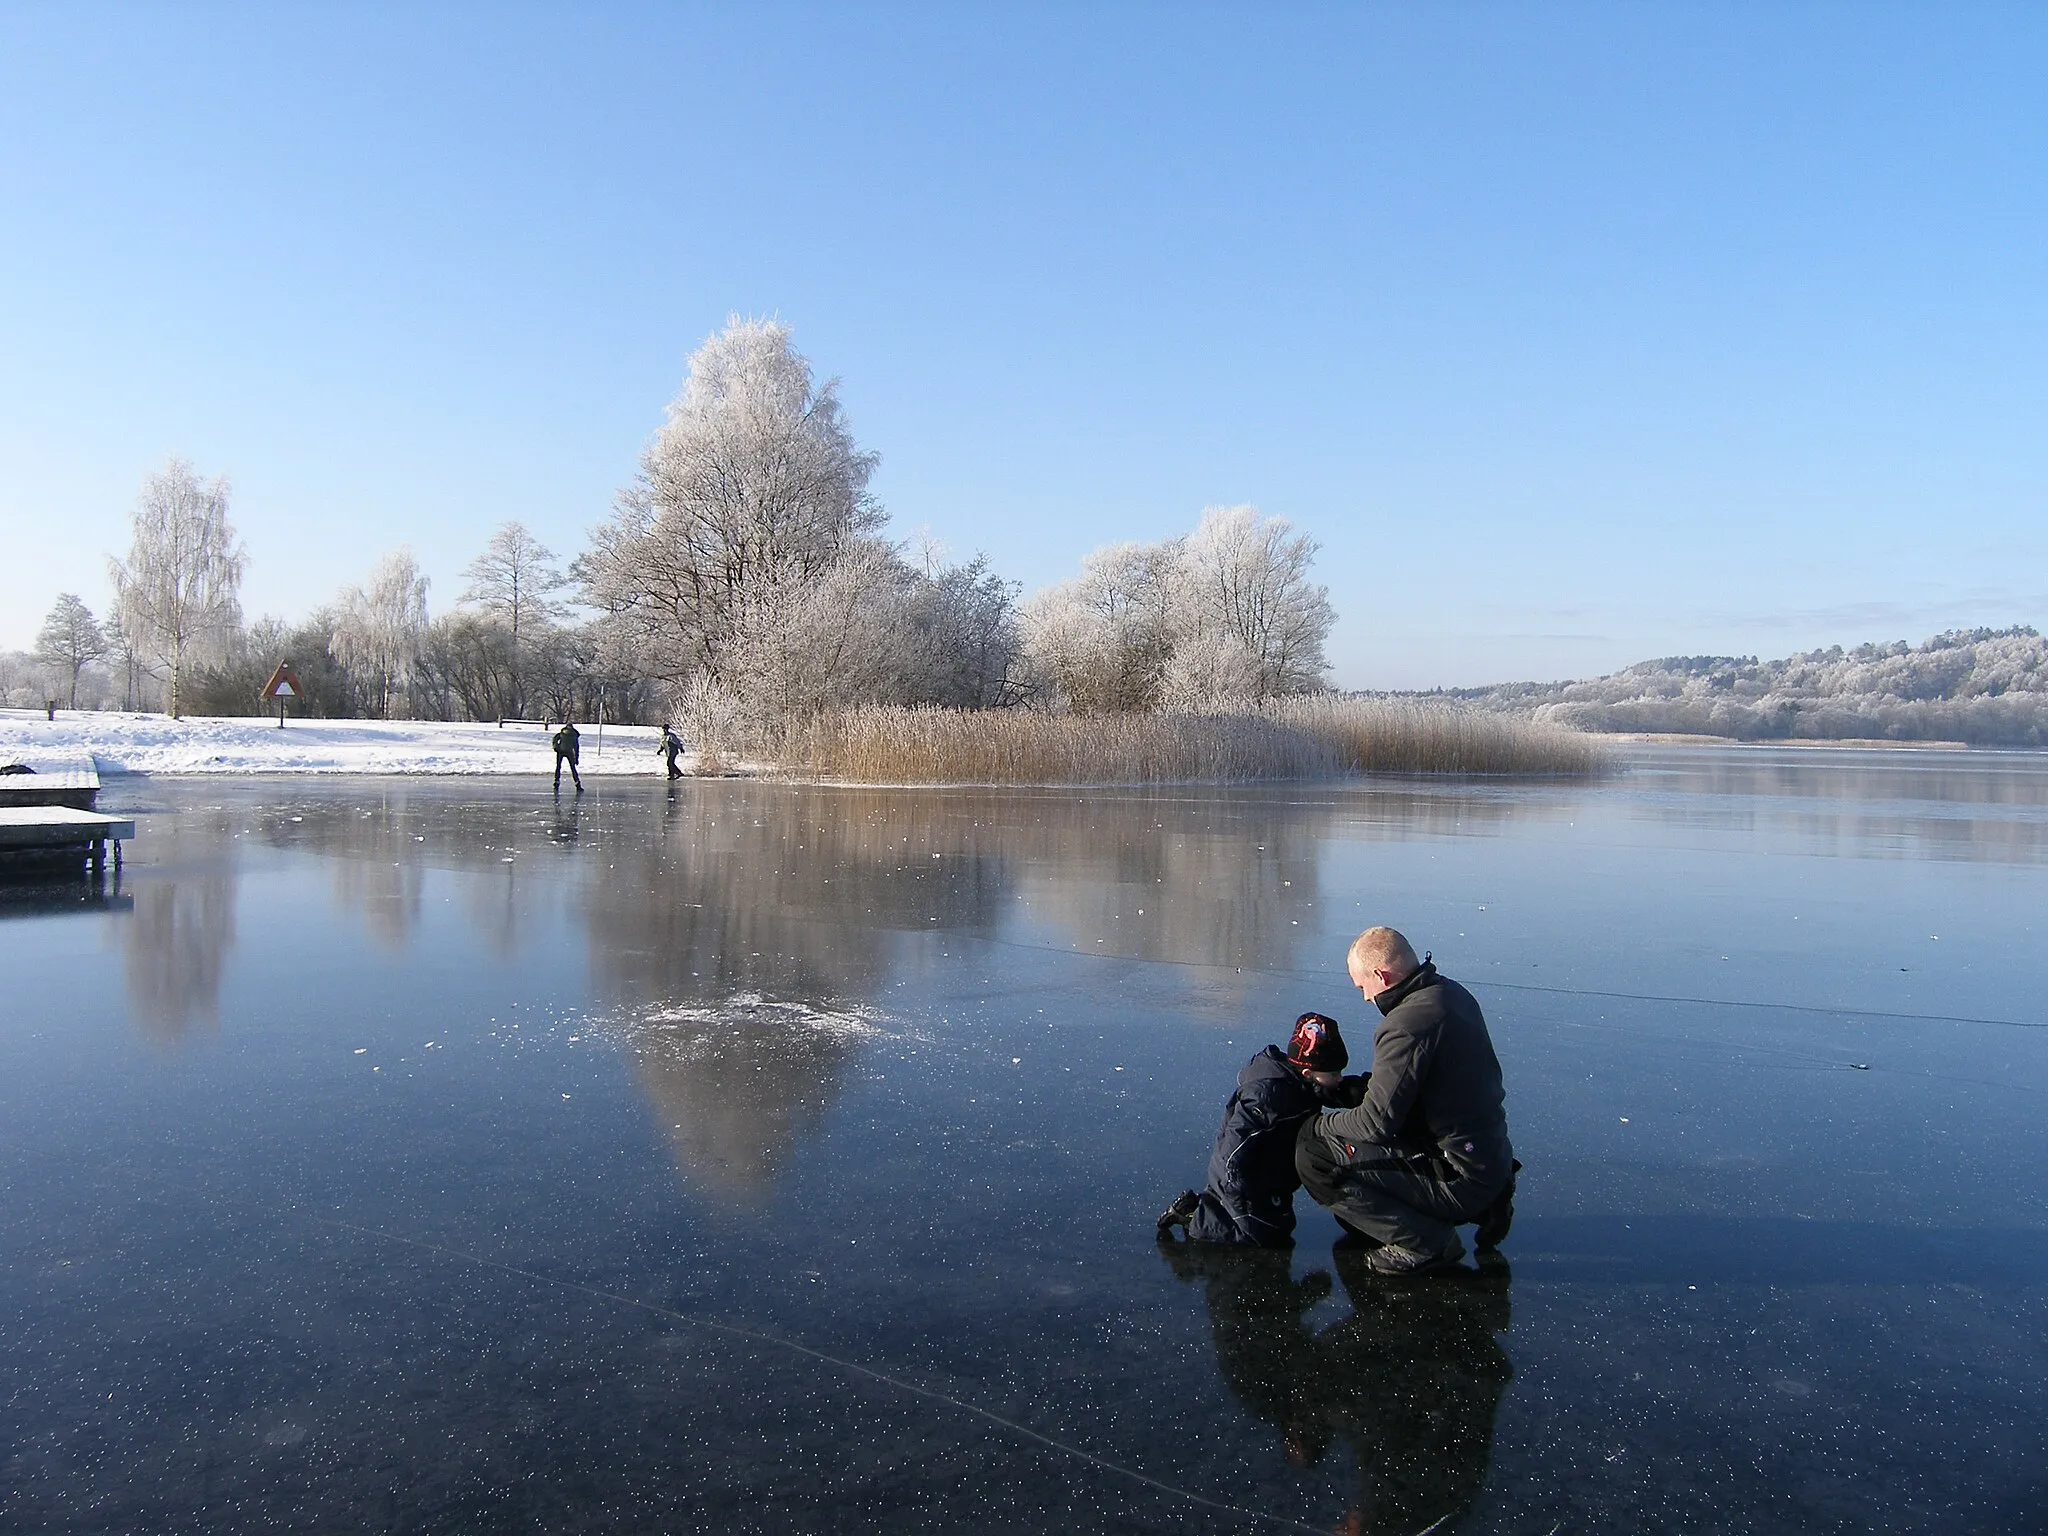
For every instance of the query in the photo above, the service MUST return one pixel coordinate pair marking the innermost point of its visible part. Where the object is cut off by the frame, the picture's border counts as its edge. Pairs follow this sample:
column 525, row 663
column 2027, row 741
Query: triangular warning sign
column 283, row 684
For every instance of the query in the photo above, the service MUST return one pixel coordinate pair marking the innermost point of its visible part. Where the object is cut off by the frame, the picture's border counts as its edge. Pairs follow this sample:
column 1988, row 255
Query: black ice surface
column 435, row 1156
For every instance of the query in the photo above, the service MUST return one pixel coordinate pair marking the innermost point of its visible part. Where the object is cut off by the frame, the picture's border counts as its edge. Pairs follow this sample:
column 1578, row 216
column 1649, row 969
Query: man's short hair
column 1382, row 949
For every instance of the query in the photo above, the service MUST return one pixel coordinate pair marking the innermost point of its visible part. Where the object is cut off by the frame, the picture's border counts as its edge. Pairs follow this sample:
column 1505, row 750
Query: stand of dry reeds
column 1321, row 736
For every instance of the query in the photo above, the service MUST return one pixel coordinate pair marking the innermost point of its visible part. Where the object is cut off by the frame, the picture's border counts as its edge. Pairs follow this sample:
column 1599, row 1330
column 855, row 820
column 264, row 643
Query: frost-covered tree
column 1098, row 643
column 844, row 638
column 177, row 595
column 515, row 581
column 1246, row 598
column 124, row 658
column 467, row 665
column 1224, row 617
column 966, row 618
column 382, row 626
column 70, row 640
column 515, row 578
column 748, row 493
column 1208, row 672
column 24, row 681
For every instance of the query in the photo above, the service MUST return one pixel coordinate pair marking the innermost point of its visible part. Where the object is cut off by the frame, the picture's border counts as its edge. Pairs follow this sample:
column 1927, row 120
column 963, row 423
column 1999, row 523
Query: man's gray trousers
column 1394, row 1195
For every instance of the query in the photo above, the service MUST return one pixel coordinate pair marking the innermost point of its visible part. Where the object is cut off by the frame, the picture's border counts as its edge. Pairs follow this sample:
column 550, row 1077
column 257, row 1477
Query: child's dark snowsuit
column 1250, row 1194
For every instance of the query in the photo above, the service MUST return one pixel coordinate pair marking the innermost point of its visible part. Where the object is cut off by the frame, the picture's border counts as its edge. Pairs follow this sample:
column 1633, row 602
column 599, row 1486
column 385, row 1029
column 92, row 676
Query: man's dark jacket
column 1435, row 1085
column 1250, row 1194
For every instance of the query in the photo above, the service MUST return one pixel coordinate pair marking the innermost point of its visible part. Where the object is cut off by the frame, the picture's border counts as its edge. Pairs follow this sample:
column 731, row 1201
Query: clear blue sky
column 1577, row 334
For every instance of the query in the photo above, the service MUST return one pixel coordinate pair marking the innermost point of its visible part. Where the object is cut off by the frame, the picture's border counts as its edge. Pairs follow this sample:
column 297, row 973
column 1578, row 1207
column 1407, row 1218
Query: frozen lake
column 435, row 1156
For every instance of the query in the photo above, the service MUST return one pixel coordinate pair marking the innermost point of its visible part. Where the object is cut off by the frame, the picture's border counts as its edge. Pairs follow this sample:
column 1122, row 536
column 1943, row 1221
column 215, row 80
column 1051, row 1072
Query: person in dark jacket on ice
column 568, row 744
column 1427, row 1148
column 1250, row 1195
column 671, row 747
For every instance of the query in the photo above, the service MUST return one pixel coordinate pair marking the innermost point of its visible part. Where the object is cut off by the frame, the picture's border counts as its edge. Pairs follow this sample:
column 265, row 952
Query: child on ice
column 1250, row 1195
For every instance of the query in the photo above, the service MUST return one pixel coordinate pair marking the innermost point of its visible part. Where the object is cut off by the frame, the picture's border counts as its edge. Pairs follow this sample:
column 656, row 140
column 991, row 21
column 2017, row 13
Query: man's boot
column 1396, row 1262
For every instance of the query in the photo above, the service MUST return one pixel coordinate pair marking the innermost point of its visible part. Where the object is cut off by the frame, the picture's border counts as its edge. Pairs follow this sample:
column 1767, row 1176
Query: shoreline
column 1846, row 743
column 155, row 746
column 204, row 746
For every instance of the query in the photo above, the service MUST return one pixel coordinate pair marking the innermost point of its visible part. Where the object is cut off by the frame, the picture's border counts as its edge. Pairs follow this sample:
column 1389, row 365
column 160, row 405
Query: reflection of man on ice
column 568, row 747
column 1411, row 1381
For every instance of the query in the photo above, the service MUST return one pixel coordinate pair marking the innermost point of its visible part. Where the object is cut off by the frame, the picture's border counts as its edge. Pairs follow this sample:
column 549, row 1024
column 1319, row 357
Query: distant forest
column 1987, row 687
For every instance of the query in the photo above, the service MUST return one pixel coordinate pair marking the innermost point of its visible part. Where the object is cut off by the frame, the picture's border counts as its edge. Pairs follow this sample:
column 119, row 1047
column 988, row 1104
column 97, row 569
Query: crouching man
column 1250, row 1195
column 1428, row 1147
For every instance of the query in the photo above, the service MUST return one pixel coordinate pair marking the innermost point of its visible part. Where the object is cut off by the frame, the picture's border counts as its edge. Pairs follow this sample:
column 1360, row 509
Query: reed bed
column 1308, row 738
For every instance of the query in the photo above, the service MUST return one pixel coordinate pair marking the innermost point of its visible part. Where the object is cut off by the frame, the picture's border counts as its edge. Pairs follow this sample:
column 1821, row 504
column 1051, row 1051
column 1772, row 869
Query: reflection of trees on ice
column 388, row 891
column 1210, row 879
column 177, row 949
column 385, row 842
column 746, row 937
column 1195, row 879
column 741, row 1086
column 790, row 892
column 804, row 894
column 176, row 945
column 1413, row 1379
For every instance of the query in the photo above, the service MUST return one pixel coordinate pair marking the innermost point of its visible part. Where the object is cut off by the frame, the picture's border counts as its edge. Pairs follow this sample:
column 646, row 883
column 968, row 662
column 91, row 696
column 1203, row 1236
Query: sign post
column 283, row 684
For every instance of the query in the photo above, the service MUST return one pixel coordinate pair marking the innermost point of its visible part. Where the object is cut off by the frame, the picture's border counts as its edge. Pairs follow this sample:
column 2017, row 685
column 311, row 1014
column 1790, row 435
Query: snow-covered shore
column 142, row 743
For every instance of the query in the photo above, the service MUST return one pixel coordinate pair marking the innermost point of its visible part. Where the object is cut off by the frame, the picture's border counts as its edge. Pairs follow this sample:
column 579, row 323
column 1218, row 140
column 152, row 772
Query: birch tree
column 515, row 581
column 177, row 595
column 124, row 658
column 1246, row 604
column 382, row 628
column 71, row 639
column 515, row 578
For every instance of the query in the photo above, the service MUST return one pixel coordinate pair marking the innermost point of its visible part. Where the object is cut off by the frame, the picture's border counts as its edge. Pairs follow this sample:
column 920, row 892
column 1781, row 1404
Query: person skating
column 1249, row 1199
column 568, row 748
column 671, row 747
column 1427, row 1148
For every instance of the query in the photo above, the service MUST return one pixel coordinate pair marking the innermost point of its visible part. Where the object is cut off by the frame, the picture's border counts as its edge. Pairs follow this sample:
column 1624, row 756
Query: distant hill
column 1988, row 687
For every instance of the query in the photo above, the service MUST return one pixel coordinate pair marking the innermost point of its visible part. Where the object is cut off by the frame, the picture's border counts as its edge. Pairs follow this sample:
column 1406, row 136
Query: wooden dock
column 57, row 831
column 70, row 778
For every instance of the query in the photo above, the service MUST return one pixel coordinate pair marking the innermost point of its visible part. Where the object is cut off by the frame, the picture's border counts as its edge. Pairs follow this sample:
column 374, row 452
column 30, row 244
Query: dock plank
column 59, row 826
column 60, row 778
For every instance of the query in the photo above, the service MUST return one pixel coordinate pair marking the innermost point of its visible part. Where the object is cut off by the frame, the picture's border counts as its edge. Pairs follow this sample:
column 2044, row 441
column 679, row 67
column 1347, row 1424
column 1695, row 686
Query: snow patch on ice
column 145, row 743
column 691, row 1030
column 847, row 1022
